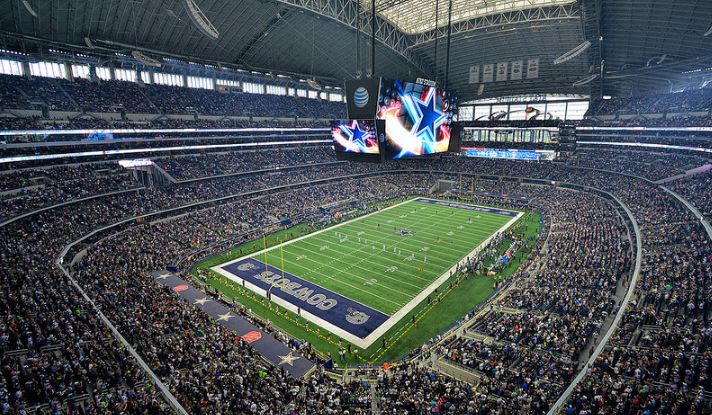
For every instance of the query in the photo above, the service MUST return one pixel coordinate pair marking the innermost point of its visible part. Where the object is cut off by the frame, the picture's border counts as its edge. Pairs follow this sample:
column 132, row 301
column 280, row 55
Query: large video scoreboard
column 410, row 120
column 358, row 139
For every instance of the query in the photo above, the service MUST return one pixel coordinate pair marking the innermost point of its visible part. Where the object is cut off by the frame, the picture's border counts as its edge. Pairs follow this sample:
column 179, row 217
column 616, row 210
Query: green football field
column 386, row 259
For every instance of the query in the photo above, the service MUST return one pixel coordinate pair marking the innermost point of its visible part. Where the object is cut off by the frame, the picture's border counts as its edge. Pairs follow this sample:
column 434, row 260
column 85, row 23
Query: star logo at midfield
column 428, row 117
column 225, row 317
column 288, row 359
column 202, row 301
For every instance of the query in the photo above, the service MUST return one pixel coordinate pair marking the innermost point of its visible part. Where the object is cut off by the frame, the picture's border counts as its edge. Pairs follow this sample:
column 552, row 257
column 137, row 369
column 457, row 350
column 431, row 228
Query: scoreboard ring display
column 419, row 119
column 406, row 120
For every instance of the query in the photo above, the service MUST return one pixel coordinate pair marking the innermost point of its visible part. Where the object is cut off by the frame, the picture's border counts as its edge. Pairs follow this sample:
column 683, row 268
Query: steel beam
column 346, row 12
column 534, row 15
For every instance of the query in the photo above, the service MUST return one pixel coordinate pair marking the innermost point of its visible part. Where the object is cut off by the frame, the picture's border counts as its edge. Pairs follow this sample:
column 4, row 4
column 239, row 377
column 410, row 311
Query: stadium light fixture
column 146, row 59
column 314, row 84
column 88, row 42
column 29, row 8
column 200, row 20
column 572, row 53
column 708, row 32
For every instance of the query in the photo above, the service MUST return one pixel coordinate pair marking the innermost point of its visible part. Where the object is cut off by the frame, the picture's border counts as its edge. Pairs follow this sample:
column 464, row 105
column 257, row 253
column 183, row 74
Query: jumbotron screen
column 355, row 136
column 418, row 119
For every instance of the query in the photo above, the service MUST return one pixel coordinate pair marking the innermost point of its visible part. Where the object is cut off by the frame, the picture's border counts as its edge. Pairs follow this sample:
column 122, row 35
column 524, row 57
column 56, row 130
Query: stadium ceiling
column 651, row 45
column 319, row 38
column 418, row 16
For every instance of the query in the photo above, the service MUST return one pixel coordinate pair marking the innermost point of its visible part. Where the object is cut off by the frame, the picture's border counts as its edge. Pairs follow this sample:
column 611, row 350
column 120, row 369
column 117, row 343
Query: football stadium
column 356, row 207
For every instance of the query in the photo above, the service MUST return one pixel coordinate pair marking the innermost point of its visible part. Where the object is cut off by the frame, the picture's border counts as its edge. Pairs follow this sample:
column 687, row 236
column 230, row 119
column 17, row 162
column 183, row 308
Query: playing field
column 354, row 277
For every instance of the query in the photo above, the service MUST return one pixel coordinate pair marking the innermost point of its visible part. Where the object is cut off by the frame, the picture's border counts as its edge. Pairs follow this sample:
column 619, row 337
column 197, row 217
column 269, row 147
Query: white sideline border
column 366, row 342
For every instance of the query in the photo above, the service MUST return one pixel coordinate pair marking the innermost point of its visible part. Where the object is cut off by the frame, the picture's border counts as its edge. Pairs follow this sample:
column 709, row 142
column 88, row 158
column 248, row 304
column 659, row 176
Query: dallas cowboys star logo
column 288, row 359
column 355, row 134
column 225, row 317
column 428, row 117
column 202, row 301
column 163, row 275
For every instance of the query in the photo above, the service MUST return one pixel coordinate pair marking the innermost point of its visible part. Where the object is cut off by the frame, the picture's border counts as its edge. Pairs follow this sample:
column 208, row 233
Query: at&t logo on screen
column 360, row 97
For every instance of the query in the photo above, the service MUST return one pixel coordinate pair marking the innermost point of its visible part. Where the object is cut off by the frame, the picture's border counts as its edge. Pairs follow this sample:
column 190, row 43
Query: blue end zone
column 336, row 309
column 468, row 207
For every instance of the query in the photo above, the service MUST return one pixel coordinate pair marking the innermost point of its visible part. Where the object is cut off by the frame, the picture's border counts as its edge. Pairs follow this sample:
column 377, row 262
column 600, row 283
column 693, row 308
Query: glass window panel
column 127, row 75
column 465, row 113
column 103, row 73
column 80, row 71
column 47, row 69
column 10, row 67
column 482, row 112
column 556, row 110
column 576, row 110
column 497, row 111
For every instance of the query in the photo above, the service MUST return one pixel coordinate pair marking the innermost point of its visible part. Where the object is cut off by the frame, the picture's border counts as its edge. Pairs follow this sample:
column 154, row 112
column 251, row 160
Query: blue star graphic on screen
column 355, row 134
column 429, row 118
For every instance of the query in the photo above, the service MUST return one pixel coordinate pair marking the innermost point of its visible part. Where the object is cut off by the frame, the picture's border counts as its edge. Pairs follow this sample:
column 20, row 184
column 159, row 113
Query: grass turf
column 386, row 259
column 404, row 337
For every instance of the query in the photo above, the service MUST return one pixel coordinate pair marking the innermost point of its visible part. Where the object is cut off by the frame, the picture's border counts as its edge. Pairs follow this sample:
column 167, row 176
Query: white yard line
column 363, row 343
column 382, row 329
column 353, row 265
column 291, row 241
column 413, row 241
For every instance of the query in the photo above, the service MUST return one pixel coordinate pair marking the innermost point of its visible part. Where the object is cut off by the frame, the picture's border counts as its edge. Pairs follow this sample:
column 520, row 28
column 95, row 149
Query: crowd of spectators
column 671, row 300
column 121, row 287
column 213, row 164
column 653, row 165
column 28, row 190
column 409, row 389
column 527, row 346
column 57, row 353
column 108, row 96
column 91, row 123
column 117, row 96
column 698, row 190
column 670, row 121
column 32, row 189
column 512, row 378
column 699, row 100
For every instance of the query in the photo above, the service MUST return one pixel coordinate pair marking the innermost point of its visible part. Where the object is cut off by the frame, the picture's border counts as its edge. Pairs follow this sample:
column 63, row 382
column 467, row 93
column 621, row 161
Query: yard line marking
column 395, row 244
column 417, row 238
column 343, row 258
column 332, row 259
